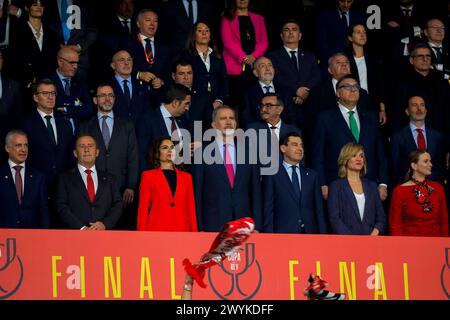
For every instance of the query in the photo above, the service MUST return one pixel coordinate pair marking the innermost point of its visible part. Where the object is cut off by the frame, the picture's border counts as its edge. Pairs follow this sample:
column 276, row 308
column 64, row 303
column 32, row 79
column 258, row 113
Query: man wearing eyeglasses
column 72, row 100
column 435, row 35
column 346, row 123
column 50, row 137
column 132, row 99
column 422, row 81
column 116, row 140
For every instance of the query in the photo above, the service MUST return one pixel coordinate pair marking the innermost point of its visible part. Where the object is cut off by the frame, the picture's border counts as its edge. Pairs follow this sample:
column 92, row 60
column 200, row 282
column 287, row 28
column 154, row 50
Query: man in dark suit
column 292, row 197
column 331, row 29
column 88, row 199
column 265, row 72
column 132, row 99
column 177, row 19
column 346, row 123
column 50, row 136
column 116, row 140
column 10, row 106
column 23, row 193
column 296, row 69
column 167, row 120
column 270, row 110
column 229, row 188
column 72, row 100
column 435, row 34
column 151, row 59
column 416, row 135
column 76, row 30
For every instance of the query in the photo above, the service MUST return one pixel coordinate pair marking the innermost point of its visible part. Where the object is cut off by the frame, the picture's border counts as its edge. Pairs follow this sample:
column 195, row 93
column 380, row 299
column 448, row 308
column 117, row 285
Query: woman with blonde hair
column 354, row 204
column 418, row 206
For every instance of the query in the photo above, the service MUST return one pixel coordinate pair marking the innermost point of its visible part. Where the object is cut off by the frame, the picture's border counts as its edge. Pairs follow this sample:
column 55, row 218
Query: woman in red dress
column 418, row 207
column 166, row 198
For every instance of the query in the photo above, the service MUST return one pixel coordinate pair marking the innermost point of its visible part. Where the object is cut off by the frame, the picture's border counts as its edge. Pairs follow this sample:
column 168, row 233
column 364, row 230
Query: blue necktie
column 295, row 182
column 66, row 87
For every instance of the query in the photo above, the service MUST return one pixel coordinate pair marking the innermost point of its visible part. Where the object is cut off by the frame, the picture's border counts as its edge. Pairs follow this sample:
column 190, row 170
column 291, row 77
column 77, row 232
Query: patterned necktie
column 353, row 125
column 105, row 131
column 229, row 165
column 126, row 92
column 295, row 182
column 90, row 185
column 66, row 87
column 19, row 183
column 149, row 49
column 174, row 130
column 190, row 12
column 50, row 129
column 266, row 89
column 294, row 59
column 420, row 140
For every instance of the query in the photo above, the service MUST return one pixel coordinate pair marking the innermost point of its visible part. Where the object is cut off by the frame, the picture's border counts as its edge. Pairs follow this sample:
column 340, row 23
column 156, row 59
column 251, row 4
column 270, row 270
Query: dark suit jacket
column 175, row 26
column 79, row 94
column 139, row 104
column 286, row 75
column 284, row 212
column 252, row 100
column 343, row 209
column 217, row 203
column 402, row 144
column 151, row 127
column 74, row 206
column 43, row 155
column 11, row 110
column 121, row 159
column 445, row 59
column 332, row 133
column 33, row 213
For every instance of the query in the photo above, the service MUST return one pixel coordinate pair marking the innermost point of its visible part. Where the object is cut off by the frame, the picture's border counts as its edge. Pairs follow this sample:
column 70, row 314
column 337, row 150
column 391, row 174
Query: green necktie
column 353, row 125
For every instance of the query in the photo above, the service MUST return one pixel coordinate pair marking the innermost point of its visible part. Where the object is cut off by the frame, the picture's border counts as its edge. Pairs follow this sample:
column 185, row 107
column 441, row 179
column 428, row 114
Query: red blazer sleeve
column 144, row 201
column 395, row 214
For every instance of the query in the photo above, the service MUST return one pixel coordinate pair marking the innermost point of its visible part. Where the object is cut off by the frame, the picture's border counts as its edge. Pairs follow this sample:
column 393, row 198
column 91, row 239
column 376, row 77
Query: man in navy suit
column 296, row 69
column 435, row 35
column 132, row 99
column 88, row 198
column 167, row 120
column 72, row 99
column 331, row 29
column 346, row 123
column 270, row 110
column 151, row 58
column 23, row 193
column 229, row 188
column 416, row 135
column 265, row 72
column 292, row 197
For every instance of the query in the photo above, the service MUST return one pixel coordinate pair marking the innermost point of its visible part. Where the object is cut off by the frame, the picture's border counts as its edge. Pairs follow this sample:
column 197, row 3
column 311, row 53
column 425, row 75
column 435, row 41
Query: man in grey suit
column 116, row 140
column 87, row 198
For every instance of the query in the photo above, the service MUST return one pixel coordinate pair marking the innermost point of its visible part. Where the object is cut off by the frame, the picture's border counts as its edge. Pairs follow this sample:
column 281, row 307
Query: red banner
column 114, row 265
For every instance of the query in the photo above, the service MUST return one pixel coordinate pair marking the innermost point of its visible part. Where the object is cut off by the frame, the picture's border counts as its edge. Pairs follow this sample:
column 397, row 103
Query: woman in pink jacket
column 244, row 39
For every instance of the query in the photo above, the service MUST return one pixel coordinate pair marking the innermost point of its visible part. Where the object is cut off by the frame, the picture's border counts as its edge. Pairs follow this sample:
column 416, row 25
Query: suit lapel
column 350, row 195
column 28, row 184
column 343, row 124
column 77, row 181
column 287, row 182
column 102, row 181
column 410, row 138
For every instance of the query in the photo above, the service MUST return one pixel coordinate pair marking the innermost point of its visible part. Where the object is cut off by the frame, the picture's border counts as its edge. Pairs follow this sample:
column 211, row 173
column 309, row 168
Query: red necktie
column 90, row 185
column 18, row 184
column 174, row 130
column 420, row 140
column 229, row 165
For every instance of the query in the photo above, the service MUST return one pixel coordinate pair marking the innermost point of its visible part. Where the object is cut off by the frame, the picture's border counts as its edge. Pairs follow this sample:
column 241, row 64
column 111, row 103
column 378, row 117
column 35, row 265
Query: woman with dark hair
column 166, row 196
column 244, row 39
column 210, row 74
column 366, row 68
column 354, row 204
column 418, row 206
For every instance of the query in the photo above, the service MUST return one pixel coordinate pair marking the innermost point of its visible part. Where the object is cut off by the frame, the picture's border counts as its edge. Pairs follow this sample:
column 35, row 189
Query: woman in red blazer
column 166, row 199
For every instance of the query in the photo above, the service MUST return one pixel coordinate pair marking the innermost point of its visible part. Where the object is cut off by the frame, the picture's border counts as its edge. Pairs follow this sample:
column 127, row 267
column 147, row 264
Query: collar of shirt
column 83, row 169
column 43, row 115
column 407, row 8
column 278, row 125
column 433, row 45
column 41, row 30
column 288, row 50
column 13, row 164
column 145, row 37
column 165, row 113
column 288, row 168
column 413, row 128
column 272, row 87
column 122, row 19
column 110, row 115
column 210, row 50
column 61, row 77
column 334, row 83
column 345, row 110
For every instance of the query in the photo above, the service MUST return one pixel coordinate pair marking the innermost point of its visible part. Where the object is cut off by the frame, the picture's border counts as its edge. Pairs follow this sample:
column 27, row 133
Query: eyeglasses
column 423, row 56
column 350, row 87
column 104, row 95
column 48, row 93
column 268, row 105
column 442, row 28
column 70, row 62
column 123, row 60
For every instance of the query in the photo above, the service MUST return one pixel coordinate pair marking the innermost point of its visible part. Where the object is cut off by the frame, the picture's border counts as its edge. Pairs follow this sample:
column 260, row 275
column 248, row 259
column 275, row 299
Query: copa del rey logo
column 239, row 277
column 11, row 269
